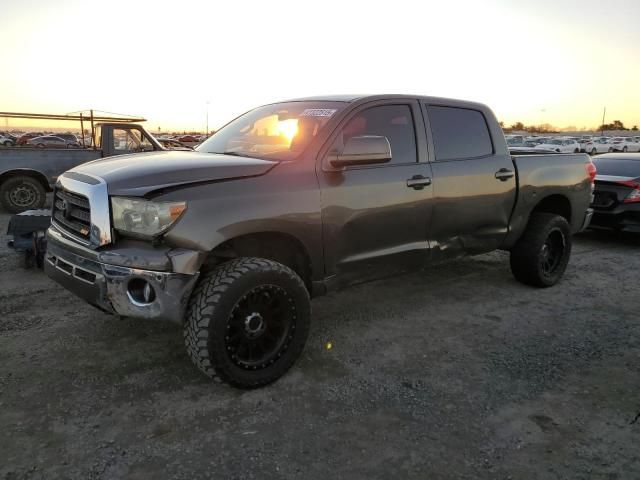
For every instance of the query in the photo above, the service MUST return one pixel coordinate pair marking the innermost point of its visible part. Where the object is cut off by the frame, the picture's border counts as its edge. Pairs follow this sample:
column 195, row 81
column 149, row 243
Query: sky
column 175, row 63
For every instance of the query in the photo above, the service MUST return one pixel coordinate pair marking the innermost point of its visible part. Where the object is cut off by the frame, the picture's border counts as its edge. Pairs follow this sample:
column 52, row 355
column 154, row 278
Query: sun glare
column 288, row 128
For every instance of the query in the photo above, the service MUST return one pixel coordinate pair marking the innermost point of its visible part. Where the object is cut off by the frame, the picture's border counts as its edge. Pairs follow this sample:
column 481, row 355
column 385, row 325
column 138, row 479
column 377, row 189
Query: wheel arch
column 278, row 246
column 554, row 203
column 27, row 172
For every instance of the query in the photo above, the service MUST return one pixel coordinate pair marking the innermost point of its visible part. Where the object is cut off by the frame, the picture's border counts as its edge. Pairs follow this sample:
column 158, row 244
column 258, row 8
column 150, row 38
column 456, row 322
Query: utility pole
column 602, row 124
column 207, row 131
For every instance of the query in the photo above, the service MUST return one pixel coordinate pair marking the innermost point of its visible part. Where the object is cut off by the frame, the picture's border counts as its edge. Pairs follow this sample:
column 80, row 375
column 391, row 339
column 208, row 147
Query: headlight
column 144, row 218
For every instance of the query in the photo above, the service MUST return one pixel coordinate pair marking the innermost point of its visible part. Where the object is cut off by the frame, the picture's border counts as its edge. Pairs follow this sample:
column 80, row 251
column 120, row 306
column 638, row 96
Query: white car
column 560, row 145
column 514, row 140
column 6, row 141
column 624, row 144
column 597, row 145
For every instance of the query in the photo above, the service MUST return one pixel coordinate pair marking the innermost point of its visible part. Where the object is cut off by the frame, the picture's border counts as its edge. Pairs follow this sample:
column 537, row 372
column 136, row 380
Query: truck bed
column 541, row 176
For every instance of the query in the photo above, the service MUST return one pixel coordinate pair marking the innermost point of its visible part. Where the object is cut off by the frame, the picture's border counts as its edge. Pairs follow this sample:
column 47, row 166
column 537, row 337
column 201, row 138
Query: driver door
column 375, row 217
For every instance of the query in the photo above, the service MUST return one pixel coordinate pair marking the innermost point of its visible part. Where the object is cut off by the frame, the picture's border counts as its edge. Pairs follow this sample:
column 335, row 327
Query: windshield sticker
column 318, row 112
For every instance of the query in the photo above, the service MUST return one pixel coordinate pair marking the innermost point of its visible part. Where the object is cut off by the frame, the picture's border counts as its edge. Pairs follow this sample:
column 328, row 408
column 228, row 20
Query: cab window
column 130, row 140
column 459, row 133
column 395, row 122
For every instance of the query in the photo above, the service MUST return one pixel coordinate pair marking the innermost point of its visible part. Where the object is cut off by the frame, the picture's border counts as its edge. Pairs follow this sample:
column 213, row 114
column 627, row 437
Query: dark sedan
column 616, row 200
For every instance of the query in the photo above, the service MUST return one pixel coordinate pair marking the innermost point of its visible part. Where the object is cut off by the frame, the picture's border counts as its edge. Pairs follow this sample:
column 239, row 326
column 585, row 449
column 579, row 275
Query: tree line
column 547, row 128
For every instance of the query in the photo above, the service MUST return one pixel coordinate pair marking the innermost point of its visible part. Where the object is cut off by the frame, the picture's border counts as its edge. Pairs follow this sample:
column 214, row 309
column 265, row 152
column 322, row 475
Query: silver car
column 47, row 141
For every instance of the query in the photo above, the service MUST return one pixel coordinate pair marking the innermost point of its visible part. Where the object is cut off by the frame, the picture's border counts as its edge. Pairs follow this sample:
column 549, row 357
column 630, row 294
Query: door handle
column 504, row 174
column 418, row 182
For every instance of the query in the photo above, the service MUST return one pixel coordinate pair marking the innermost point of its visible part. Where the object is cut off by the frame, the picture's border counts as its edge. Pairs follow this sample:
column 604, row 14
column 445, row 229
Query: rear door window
column 459, row 133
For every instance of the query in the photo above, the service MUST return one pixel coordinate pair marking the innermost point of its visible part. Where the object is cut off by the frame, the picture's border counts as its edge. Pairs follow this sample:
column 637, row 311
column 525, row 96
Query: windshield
column 275, row 132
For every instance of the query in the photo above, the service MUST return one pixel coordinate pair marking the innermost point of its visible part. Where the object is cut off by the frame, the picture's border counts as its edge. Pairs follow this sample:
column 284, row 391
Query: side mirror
column 363, row 150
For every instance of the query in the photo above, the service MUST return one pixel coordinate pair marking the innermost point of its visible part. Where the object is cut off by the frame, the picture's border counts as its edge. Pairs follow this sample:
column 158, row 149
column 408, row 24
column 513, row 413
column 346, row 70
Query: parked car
column 597, row 145
column 295, row 199
column 533, row 141
column 6, row 141
column 171, row 144
column 47, row 141
column 28, row 136
column 616, row 199
column 514, row 140
column 26, row 175
column 188, row 138
column 70, row 139
column 624, row 144
column 560, row 145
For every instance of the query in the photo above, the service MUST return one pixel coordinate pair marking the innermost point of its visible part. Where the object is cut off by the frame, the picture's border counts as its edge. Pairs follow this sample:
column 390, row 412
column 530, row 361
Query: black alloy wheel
column 260, row 327
column 552, row 252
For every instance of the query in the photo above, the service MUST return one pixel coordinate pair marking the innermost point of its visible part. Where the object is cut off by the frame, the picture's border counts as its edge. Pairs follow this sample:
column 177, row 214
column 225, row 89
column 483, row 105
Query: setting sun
column 288, row 128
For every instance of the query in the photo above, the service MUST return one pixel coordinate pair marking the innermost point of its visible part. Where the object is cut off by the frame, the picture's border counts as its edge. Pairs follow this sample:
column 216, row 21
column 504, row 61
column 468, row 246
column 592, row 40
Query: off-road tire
column 8, row 193
column 527, row 256
column 210, row 309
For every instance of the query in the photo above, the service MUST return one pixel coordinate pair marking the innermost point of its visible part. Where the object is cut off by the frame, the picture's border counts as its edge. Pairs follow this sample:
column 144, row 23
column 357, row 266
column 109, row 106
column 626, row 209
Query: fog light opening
column 141, row 292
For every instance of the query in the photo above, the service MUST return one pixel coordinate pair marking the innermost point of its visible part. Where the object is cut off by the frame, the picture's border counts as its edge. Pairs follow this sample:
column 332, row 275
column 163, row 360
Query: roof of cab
column 372, row 97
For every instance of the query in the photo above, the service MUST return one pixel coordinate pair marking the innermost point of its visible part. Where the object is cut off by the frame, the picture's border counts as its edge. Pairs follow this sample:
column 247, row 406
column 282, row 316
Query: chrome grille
column 72, row 213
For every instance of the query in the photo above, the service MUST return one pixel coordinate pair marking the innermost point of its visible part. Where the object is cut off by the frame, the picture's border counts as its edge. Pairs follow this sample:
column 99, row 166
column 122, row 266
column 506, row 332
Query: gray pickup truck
column 296, row 199
column 27, row 174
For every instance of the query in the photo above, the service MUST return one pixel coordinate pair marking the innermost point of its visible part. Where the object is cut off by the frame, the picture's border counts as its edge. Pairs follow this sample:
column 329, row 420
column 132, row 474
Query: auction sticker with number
column 318, row 112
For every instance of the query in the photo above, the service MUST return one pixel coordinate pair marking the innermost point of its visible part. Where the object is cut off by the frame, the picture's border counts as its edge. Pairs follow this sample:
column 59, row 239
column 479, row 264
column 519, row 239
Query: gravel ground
column 455, row 372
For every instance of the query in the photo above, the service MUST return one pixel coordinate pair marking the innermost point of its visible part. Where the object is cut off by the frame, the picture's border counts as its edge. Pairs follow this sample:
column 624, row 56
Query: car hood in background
column 141, row 173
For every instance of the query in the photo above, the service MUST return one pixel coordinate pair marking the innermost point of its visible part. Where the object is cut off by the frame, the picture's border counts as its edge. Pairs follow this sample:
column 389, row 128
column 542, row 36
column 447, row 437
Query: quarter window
column 392, row 121
column 459, row 133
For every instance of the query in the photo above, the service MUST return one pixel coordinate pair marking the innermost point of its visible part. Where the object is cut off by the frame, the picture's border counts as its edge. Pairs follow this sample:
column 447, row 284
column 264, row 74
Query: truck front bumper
column 119, row 290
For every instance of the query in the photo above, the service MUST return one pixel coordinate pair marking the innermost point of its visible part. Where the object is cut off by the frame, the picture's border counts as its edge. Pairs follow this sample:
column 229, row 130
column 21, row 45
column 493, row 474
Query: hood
column 141, row 173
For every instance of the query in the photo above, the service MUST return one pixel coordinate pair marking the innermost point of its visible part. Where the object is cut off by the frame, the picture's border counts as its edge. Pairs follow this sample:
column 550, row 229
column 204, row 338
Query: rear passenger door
column 375, row 217
column 474, row 184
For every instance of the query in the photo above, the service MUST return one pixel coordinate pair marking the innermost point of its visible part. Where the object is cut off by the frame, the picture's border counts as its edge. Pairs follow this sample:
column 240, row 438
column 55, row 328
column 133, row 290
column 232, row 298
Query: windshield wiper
column 235, row 154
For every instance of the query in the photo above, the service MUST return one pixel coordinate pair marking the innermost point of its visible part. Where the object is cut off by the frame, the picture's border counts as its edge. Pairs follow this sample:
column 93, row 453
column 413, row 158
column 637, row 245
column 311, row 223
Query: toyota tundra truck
column 296, row 199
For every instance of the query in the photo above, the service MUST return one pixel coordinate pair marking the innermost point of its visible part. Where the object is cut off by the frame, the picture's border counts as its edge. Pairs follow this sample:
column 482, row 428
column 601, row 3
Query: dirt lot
column 455, row 372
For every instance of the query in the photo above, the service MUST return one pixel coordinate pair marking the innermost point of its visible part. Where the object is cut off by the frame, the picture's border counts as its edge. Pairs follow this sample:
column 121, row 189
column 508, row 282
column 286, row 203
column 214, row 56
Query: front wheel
column 541, row 255
column 577, row 150
column 247, row 322
column 21, row 193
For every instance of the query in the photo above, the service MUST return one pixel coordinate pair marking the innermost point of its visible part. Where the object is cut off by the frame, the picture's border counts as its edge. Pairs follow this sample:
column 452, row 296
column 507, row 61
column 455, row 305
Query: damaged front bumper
column 117, row 289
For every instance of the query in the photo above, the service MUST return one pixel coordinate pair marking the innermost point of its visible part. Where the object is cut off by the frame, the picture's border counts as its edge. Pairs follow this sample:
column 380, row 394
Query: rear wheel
column 577, row 150
column 247, row 322
column 541, row 255
column 21, row 193
column 624, row 149
column 593, row 152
